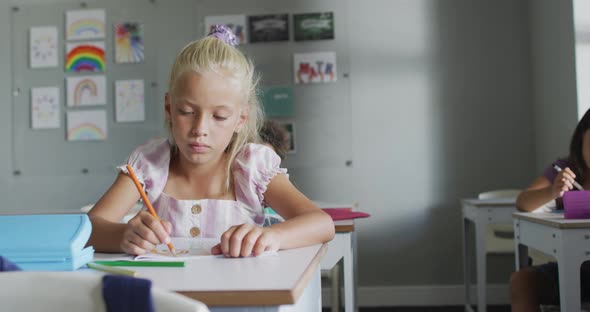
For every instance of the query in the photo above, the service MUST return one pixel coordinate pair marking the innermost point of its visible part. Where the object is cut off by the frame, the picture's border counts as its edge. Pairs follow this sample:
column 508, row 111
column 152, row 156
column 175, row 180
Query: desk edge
column 260, row 297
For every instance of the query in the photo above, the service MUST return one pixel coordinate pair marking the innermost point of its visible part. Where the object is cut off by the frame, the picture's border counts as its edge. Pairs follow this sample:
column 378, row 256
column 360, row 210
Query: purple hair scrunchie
column 224, row 33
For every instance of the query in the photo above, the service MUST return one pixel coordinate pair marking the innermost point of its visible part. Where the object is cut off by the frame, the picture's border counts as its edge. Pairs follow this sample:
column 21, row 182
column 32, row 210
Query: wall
column 442, row 110
column 446, row 101
column 553, row 78
column 581, row 15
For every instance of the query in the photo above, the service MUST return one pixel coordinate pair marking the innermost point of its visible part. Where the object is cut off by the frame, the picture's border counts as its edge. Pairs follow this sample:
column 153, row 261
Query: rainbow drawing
column 86, row 132
column 84, row 86
column 86, row 90
column 85, row 57
column 86, row 125
column 85, row 24
column 129, row 43
column 87, row 29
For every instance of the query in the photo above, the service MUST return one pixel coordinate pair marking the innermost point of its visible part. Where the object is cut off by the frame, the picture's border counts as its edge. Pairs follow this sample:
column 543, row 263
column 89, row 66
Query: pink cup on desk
column 576, row 205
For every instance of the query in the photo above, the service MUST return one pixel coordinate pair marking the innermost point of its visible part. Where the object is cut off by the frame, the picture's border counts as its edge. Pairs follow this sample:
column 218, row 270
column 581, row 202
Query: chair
column 500, row 237
column 75, row 291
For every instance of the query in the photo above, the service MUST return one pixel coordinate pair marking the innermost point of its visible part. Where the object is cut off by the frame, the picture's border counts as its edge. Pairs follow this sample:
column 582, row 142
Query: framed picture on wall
column 291, row 138
column 237, row 23
column 315, row 67
column 268, row 28
column 278, row 101
column 313, row 26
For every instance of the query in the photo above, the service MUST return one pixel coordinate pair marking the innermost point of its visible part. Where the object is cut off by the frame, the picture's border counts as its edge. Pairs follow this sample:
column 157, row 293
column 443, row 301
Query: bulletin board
column 321, row 115
column 46, row 152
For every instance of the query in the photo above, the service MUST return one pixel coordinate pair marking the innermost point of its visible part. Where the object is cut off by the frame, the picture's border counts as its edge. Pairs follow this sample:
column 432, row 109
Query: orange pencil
column 146, row 201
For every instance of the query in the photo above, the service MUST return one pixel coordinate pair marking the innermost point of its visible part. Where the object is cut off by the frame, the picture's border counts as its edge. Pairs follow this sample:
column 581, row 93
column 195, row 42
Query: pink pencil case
column 576, row 205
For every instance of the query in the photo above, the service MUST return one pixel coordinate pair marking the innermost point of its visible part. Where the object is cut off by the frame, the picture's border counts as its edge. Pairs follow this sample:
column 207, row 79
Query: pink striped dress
column 253, row 168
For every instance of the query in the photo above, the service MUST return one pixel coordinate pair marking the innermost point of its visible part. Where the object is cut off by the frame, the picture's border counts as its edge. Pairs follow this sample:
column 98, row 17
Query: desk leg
column 349, row 285
column 521, row 252
column 467, row 267
column 480, row 256
column 569, row 275
column 521, row 256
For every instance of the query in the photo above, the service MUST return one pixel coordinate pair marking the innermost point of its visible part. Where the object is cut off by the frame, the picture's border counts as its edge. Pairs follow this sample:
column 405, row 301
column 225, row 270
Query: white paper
column 129, row 100
column 88, row 125
column 86, row 90
column 85, row 24
column 186, row 248
column 43, row 47
column 86, row 56
column 45, row 108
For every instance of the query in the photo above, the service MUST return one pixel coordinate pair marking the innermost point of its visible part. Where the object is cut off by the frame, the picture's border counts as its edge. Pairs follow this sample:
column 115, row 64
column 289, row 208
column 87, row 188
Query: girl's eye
column 185, row 112
column 220, row 118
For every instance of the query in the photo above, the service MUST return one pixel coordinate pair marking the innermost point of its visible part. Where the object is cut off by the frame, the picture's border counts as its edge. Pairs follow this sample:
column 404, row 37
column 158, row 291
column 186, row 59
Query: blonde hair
column 211, row 54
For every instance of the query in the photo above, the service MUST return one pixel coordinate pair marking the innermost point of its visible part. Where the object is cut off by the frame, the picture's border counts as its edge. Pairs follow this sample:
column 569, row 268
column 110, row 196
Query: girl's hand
column 144, row 232
column 246, row 239
column 563, row 182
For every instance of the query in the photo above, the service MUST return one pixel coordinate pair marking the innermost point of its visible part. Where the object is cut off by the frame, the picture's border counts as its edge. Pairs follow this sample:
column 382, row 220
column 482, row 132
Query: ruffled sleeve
column 150, row 163
column 254, row 166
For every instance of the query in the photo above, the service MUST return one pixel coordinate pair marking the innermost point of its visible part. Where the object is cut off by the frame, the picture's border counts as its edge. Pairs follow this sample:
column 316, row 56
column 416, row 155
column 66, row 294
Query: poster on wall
column 278, row 101
column 129, row 100
column 87, row 125
column 45, row 108
column 289, row 126
column 268, row 28
column 86, row 91
column 237, row 23
column 129, row 43
column 85, row 57
column 43, row 47
column 85, row 24
column 313, row 26
column 314, row 67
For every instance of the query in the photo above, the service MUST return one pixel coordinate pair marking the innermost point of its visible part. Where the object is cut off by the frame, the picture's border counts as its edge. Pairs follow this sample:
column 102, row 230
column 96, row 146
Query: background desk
column 567, row 240
column 343, row 246
column 289, row 282
column 477, row 215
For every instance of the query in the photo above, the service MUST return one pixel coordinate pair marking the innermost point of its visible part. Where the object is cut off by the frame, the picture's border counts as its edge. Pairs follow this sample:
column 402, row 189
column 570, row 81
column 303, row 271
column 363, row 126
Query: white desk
column 289, row 282
column 343, row 246
column 477, row 215
column 567, row 240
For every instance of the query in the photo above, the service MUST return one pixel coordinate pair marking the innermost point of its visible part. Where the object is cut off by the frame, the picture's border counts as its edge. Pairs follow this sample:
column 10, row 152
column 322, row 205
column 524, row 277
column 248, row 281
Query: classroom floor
column 426, row 309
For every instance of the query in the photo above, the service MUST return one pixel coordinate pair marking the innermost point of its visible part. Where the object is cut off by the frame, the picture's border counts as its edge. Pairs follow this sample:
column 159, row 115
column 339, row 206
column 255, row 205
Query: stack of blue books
column 46, row 242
